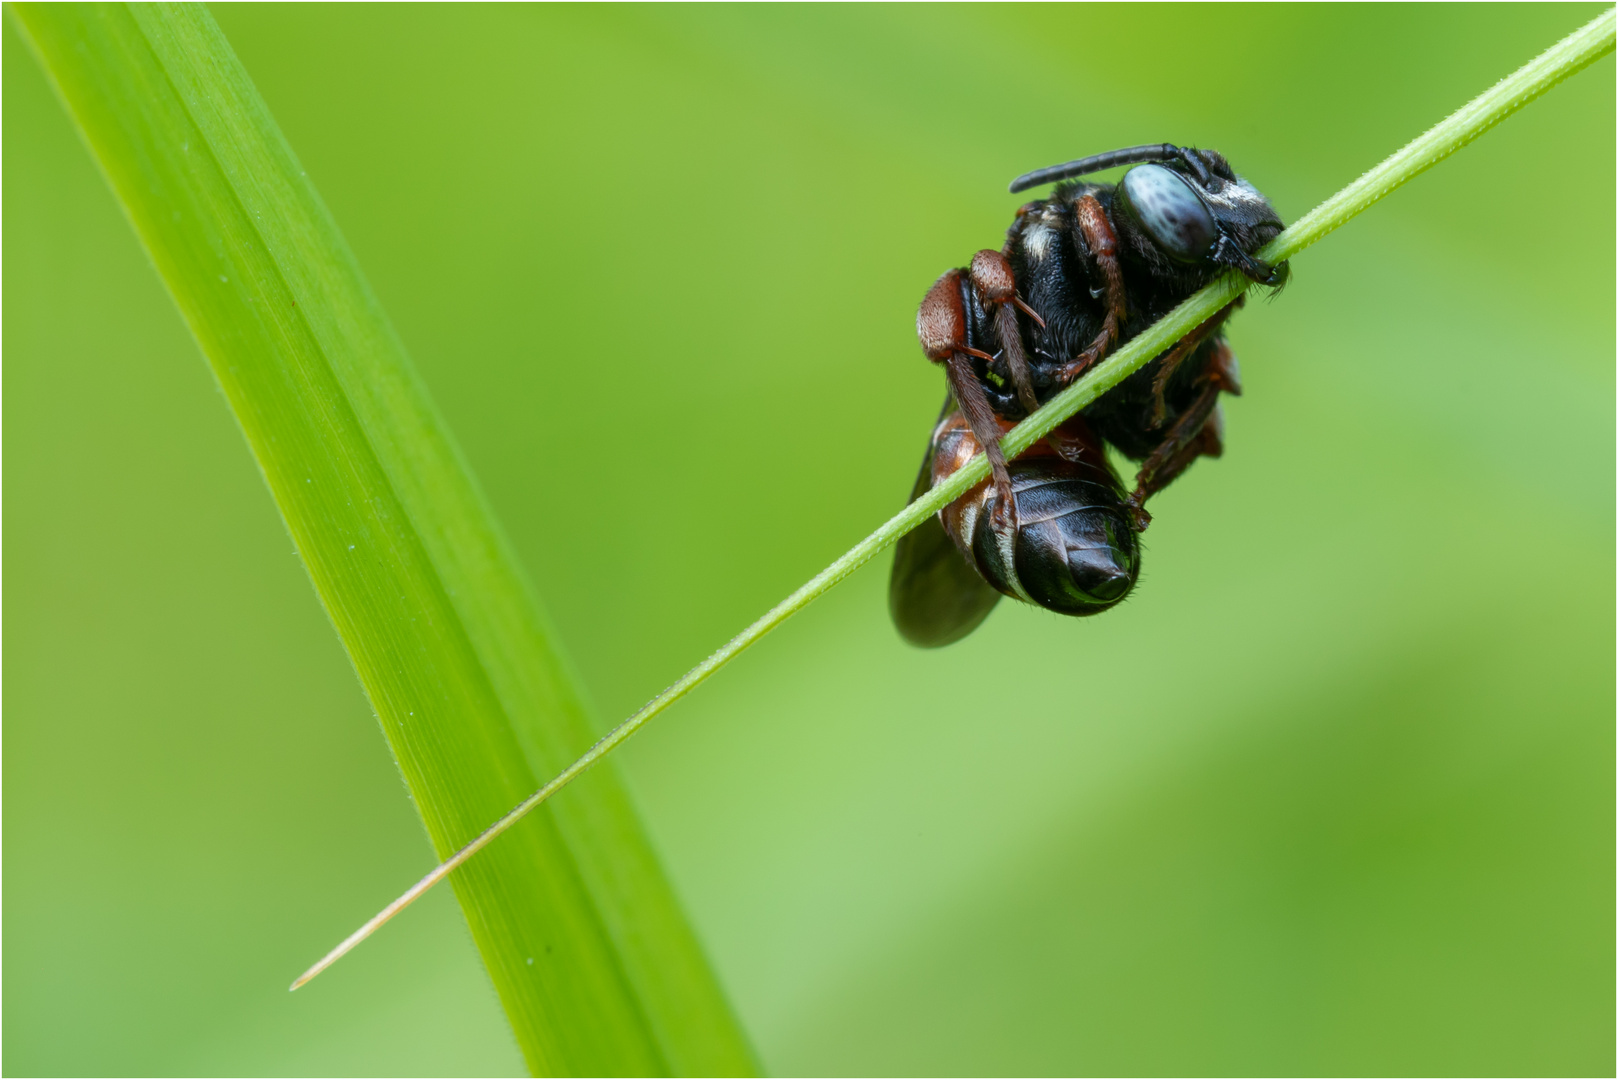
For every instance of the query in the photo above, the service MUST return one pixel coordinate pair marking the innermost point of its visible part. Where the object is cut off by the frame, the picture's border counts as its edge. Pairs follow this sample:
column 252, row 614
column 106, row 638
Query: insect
column 1081, row 271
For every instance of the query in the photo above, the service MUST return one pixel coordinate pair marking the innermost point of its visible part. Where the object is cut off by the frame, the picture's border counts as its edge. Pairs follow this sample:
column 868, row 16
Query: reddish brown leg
column 1198, row 431
column 1223, row 370
column 1188, row 344
column 992, row 277
column 941, row 326
column 980, row 418
column 1209, row 442
column 1096, row 232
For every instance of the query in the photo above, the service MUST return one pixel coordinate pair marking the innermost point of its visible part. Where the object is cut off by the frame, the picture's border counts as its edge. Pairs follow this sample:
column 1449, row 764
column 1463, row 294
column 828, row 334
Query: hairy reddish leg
column 1102, row 243
column 992, row 277
column 941, row 326
column 1197, row 432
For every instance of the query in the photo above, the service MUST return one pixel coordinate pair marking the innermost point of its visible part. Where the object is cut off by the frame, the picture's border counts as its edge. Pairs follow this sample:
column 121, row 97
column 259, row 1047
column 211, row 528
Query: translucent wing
column 934, row 596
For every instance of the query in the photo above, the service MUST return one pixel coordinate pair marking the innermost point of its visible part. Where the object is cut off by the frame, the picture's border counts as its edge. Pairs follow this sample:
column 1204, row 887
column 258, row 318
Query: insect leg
column 963, row 381
column 1223, row 370
column 1188, row 344
column 1096, row 233
column 941, row 326
column 1228, row 253
column 992, row 277
column 1198, row 431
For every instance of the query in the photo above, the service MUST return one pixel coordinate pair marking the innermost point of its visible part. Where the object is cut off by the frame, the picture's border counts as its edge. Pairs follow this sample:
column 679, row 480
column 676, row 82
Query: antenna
column 1133, row 155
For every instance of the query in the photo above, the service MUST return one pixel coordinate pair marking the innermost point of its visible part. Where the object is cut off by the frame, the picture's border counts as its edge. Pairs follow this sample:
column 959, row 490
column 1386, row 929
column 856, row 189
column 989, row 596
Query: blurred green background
column 1332, row 794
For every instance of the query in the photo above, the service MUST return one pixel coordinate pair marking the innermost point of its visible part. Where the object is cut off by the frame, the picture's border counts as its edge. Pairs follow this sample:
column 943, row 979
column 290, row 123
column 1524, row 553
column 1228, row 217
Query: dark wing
column 934, row 596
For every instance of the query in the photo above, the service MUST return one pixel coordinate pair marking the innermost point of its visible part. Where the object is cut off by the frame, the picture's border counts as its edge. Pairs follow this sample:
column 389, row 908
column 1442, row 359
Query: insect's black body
column 1073, row 551
column 1082, row 270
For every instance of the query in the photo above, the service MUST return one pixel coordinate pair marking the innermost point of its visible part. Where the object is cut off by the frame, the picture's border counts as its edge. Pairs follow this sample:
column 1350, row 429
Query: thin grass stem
column 1567, row 57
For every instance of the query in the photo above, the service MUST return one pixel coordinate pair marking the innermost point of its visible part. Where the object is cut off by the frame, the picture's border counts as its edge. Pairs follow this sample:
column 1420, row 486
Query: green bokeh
column 1332, row 794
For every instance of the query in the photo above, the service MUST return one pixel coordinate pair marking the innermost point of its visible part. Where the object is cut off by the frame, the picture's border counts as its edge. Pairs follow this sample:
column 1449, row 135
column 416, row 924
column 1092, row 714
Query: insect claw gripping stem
column 1573, row 53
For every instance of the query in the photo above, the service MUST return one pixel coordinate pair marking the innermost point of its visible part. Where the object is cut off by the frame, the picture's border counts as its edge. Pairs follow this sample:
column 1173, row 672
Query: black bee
column 1081, row 271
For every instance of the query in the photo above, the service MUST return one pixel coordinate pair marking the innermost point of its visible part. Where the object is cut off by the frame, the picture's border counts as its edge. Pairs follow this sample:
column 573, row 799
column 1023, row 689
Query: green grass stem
column 1568, row 56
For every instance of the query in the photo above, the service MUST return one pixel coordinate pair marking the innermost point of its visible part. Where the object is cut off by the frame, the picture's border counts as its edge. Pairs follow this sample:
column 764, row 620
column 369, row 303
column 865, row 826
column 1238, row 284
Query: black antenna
column 1132, row 155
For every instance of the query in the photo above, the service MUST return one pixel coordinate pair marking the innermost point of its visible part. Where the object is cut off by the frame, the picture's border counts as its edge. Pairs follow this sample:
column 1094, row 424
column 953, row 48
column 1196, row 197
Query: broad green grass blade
column 594, row 962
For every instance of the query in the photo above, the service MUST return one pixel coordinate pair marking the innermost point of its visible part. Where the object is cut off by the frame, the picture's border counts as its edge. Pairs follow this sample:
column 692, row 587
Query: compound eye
column 1162, row 203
